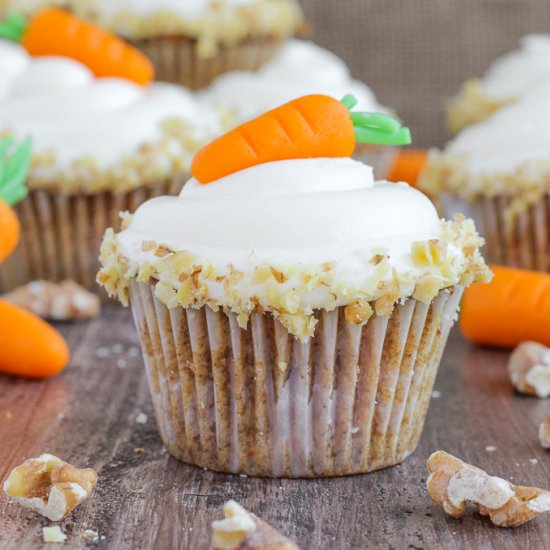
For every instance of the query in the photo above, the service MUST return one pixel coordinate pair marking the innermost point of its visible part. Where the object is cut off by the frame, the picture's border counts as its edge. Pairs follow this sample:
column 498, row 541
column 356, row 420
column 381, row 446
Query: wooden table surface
column 146, row 499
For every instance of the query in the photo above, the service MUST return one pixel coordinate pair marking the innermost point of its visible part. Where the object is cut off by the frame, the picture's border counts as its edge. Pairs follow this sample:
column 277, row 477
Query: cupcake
column 191, row 42
column 498, row 173
column 300, row 68
column 100, row 145
column 506, row 80
column 292, row 313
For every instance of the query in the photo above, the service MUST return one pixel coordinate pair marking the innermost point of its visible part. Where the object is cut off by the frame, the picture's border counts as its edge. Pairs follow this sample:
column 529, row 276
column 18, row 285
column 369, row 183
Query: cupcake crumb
column 141, row 418
column 53, row 534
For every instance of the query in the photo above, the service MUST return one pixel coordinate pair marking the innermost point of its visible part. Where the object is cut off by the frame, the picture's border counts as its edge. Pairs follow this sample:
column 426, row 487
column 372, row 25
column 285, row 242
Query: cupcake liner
column 176, row 59
column 377, row 156
column 61, row 234
column 260, row 402
column 519, row 241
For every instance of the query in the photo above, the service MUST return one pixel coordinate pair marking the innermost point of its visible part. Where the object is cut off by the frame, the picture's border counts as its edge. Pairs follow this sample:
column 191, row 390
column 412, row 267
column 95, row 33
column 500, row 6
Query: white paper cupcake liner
column 523, row 241
column 259, row 402
column 61, row 234
column 176, row 59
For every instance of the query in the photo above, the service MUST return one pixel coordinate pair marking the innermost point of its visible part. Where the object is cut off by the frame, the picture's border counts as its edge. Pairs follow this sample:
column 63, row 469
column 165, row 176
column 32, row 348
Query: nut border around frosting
column 181, row 279
column 153, row 162
column 275, row 18
column 472, row 104
column 448, row 173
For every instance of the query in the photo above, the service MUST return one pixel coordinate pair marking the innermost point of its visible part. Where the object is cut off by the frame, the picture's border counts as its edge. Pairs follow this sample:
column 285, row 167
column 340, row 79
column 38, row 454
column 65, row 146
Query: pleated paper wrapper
column 176, row 59
column 260, row 402
column 61, row 234
column 520, row 241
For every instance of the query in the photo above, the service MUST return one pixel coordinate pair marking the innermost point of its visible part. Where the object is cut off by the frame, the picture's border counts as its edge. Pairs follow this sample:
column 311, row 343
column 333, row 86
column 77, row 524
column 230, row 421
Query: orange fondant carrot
column 28, row 345
column 57, row 32
column 407, row 165
column 308, row 127
column 9, row 230
column 13, row 177
column 513, row 308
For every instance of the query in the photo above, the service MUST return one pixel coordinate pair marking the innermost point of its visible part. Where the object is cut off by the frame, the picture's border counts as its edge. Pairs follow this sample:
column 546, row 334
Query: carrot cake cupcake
column 498, row 172
column 191, row 42
column 506, row 80
column 301, row 67
column 100, row 145
column 292, row 310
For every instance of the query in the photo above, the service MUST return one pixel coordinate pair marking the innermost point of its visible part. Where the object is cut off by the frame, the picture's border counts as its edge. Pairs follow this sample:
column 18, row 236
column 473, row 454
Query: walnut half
column 49, row 486
column 453, row 483
column 241, row 530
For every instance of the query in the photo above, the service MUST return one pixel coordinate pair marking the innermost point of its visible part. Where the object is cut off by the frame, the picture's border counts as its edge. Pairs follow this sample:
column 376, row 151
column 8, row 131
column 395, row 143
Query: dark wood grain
column 146, row 500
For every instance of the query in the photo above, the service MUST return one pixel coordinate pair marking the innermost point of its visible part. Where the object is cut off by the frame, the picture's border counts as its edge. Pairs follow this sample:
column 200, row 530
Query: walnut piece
column 544, row 433
column 53, row 534
column 49, row 486
column 56, row 301
column 452, row 483
column 244, row 531
column 529, row 369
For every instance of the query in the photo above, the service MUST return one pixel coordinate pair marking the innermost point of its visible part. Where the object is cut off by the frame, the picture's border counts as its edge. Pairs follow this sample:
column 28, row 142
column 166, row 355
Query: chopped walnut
column 243, row 530
column 53, row 534
column 163, row 250
column 358, row 313
column 429, row 253
column 56, row 301
column 148, row 246
column 49, row 486
column 529, row 369
column 544, row 433
column 452, row 483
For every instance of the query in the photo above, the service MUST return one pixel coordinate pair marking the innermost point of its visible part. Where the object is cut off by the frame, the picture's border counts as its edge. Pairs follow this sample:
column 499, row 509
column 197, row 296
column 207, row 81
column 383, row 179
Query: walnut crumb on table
column 453, row 483
column 49, row 486
column 53, row 534
column 544, row 433
column 242, row 530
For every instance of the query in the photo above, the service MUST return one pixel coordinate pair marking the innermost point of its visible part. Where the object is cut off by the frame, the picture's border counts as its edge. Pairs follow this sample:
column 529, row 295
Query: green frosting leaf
column 13, row 27
column 14, row 170
column 376, row 128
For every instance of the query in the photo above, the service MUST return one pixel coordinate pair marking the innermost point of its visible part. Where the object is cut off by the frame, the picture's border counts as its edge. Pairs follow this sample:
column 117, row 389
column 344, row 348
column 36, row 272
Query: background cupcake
column 192, row 42
column 299, row 68
column 506, row 80
column 292, row 314
column 100, row 146
column 498, row 172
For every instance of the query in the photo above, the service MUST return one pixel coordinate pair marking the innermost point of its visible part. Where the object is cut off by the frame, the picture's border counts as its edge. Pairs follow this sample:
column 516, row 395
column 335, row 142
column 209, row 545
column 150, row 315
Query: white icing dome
column 300, row 68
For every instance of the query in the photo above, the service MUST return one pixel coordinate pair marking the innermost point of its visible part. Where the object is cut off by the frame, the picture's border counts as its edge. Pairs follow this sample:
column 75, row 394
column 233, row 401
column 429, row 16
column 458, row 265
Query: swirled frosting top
column 300, row 68
column 92, row 132
column 291, row 237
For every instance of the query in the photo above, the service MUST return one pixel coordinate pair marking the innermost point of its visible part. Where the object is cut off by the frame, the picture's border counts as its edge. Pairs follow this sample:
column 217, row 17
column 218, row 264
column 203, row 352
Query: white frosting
column 289, row 213
column 516, row 134
column 184, row 8
column 300, row 68
column 517, row 72
column 67, row 111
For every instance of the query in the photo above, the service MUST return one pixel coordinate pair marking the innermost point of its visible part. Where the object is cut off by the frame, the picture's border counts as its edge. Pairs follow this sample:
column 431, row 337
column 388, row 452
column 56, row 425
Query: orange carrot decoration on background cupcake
column 28, row 346
column 308, row 127
column 514, row 308
column 57, row 32
column 13, row 175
